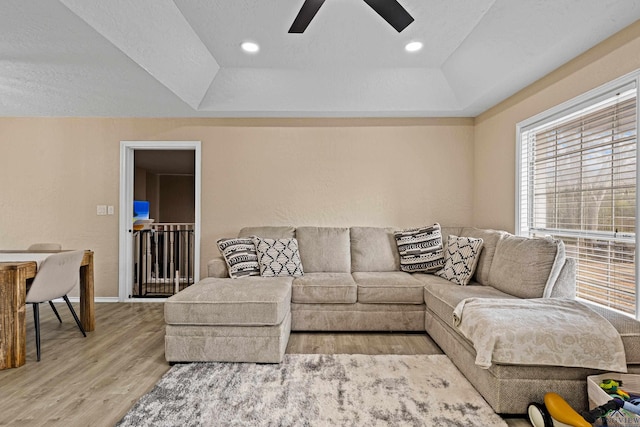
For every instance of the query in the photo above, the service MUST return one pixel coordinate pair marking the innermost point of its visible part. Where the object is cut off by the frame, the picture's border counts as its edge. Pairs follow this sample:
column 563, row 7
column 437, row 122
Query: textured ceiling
column 164, row 58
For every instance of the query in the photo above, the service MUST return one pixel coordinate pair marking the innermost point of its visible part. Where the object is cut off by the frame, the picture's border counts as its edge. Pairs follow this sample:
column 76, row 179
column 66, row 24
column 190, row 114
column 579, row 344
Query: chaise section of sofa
column 512, row 267
column 218, row 320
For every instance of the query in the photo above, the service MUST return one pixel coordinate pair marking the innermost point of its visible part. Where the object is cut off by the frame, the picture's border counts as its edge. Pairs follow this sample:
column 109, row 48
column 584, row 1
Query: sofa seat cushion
column 244, row 301
column 327, row 288
column 391, row 287
column 442, row 296
column 324, row 249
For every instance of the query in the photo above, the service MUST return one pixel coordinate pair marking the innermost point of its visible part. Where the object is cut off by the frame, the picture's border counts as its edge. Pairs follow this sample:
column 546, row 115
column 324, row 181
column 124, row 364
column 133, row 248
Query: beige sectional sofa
column 352, row 282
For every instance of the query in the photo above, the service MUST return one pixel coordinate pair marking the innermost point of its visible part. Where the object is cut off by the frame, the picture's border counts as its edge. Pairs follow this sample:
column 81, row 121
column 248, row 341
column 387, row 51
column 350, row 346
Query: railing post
column 172, row 255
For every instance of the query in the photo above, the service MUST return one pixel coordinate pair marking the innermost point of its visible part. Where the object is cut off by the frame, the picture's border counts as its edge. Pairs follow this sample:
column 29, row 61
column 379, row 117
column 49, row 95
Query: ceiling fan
column 390, row 10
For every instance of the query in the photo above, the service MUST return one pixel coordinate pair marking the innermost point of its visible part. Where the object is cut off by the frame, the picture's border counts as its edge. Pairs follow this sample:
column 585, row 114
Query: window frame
column 568, row 107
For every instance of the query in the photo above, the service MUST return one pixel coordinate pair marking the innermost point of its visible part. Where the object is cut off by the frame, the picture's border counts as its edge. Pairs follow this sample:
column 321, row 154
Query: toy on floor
column 612, row 387
column 620, row 400
column 612, row 405
column 555, row 412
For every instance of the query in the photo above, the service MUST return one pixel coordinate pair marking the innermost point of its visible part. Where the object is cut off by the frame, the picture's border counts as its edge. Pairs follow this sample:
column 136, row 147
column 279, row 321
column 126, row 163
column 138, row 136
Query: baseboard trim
column 114, row 299
column 96, row 299
column 145, row 300
column 104, row 299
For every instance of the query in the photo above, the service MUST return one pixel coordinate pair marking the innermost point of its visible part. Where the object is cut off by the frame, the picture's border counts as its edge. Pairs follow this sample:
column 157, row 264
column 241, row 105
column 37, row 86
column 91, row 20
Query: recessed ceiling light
column 413, row 46
column 250, row 47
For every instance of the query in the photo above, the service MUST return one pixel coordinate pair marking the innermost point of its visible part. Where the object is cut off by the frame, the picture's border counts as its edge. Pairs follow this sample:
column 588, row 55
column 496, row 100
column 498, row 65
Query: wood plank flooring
column 362, row 343
column 94, row 381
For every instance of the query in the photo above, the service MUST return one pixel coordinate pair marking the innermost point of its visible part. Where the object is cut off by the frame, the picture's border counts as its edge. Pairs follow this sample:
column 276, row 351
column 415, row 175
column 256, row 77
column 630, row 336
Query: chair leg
column 53, row 307
column 75, row 316
column 36, row 321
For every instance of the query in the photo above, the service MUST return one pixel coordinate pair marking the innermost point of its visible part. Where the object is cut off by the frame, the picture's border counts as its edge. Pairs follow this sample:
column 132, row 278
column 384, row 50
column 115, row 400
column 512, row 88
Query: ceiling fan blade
column 306, row 14
column 392, row 12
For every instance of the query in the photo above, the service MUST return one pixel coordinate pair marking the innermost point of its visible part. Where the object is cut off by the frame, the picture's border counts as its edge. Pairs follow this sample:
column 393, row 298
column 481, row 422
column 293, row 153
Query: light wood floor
column 94, row 381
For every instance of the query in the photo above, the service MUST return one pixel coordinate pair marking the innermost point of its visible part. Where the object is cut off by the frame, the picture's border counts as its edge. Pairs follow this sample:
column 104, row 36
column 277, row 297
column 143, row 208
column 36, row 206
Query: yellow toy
column 555, row 412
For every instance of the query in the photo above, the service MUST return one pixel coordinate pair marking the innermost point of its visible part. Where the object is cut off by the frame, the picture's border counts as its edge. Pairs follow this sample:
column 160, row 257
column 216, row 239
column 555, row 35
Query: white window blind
column 578, row 183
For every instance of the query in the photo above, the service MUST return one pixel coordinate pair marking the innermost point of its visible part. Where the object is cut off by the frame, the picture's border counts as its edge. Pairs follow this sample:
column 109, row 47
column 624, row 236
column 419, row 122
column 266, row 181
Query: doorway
column 159, row 218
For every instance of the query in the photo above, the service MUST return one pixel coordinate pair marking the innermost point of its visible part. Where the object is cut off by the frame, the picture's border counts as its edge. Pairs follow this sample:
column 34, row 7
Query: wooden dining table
column 14, row 276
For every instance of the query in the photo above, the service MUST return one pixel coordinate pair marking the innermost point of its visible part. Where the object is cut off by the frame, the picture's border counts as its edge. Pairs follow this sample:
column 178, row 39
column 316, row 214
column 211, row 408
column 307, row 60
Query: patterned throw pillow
column 420, row 249
column 460, row 259
column 278, row 257
column 240, row 256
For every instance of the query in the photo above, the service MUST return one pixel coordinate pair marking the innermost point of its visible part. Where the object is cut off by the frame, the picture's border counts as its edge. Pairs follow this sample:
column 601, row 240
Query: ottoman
column 221, row 320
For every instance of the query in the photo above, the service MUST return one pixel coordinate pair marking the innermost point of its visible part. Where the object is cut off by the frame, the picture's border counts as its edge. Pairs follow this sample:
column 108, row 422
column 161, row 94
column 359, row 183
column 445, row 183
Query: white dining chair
column 45, row 247
column 56, row 276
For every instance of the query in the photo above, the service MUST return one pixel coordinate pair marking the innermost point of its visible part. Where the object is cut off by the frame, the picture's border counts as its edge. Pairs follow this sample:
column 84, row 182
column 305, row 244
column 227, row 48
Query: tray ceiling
column 182, row 58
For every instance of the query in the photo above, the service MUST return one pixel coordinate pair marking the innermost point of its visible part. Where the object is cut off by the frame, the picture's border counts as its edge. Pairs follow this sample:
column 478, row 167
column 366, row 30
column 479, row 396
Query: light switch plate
column 101, row 210
column 110, row 210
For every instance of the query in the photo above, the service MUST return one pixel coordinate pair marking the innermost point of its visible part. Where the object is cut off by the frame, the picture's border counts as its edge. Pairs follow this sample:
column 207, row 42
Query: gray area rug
column 316, row 390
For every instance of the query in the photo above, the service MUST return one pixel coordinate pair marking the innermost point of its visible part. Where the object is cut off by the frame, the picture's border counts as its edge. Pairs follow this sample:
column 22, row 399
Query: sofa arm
column 217, row 267
column 565, row 286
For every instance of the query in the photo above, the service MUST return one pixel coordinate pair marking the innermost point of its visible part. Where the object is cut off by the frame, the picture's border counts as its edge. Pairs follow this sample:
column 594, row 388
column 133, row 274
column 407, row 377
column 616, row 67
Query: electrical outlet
column 101, row 210
column 110, row 210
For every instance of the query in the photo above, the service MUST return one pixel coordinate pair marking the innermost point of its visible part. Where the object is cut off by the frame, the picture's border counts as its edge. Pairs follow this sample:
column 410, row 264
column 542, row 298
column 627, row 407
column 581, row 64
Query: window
column 577, row 181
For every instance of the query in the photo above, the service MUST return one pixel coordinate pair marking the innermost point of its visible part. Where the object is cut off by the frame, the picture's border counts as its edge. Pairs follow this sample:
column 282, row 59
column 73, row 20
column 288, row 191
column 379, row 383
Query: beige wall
column 140, row 184
column 153, row 195
column 379, row 172
column 177, row 198
column 495, row 130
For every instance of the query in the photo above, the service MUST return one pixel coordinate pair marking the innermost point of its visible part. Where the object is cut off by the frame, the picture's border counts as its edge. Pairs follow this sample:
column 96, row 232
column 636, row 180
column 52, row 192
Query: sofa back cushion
column 524, row 267
column 374, row 249
column 324, row 249
column 269, row 232
column 449, row 231
column 490, row 239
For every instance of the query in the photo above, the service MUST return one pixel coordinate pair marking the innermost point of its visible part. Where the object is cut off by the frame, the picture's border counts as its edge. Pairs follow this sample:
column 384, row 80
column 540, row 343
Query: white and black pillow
column 420, row 249
column 278, row 257
column 241, row 257
column 460, row 259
